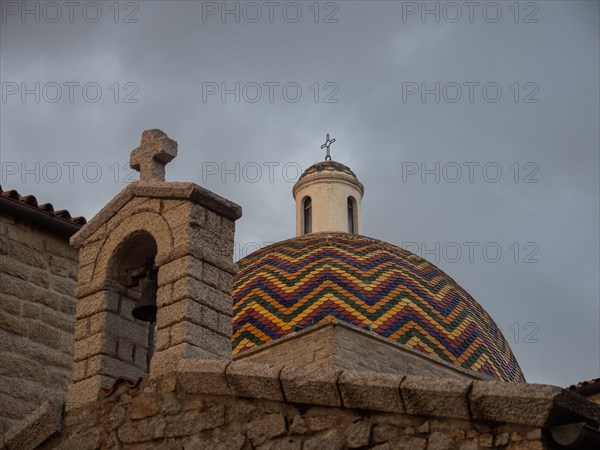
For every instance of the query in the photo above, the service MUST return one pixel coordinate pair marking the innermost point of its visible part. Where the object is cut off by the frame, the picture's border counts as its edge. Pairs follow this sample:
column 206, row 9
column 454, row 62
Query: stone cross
column 326, row 145
column 153, row 154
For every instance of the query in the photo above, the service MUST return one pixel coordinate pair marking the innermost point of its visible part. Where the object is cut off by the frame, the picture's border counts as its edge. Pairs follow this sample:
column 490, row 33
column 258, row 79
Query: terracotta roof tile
column 46, row 207
column 586, row 387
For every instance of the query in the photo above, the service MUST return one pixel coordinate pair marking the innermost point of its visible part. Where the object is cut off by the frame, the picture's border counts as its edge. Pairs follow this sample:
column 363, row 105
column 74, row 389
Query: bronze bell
column 146, row 308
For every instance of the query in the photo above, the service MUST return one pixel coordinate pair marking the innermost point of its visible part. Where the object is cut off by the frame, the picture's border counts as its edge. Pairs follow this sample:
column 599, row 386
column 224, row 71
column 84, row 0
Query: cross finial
column 326, row 145
column 153, row 154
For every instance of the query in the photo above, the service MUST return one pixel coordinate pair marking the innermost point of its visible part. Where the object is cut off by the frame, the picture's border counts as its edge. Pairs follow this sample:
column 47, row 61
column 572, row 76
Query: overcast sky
column 474, row 129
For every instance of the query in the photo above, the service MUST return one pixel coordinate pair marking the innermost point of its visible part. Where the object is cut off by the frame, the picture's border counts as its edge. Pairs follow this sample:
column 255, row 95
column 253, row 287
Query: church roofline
column 27, row 208
column 159, row 189
column 587, row 387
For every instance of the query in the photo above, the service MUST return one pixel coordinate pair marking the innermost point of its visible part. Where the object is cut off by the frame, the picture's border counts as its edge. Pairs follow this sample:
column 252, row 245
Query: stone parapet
column 518, row 403
column 35, row 428
column 341, row 345
column 240, row 405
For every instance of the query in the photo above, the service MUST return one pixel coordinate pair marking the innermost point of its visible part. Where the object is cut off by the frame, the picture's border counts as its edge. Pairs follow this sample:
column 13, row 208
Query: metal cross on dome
column 326, row 145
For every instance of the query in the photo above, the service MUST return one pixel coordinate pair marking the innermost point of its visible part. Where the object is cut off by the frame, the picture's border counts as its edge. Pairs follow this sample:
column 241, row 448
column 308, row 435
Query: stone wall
column 37, row 309
column 345, row 346
column 241, row 405
column 594, row 398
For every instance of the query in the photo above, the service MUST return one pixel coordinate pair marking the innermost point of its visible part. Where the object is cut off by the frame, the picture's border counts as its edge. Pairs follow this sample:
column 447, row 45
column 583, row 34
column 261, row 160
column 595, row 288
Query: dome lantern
column 328, row 198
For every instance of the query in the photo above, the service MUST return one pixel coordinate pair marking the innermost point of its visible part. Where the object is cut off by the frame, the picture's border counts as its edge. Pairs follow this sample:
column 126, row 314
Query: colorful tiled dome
column 330, row 166
column 307, row 279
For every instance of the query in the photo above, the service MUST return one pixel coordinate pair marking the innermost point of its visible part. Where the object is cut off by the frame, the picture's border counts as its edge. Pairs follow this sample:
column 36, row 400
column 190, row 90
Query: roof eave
column 54, row 224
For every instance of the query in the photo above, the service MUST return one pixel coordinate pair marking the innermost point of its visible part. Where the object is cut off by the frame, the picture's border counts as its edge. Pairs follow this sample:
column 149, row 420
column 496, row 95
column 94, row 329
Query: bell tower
column 155, row 277
column 328, row 197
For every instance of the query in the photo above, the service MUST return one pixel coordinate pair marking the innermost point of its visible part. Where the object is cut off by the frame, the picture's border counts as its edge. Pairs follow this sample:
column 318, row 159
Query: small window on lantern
column 351, row 216
column 307, row 206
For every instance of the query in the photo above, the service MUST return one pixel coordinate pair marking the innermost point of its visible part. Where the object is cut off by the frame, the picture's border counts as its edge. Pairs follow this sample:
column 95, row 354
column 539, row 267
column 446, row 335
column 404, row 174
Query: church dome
column 327, row 166
column 370, row 283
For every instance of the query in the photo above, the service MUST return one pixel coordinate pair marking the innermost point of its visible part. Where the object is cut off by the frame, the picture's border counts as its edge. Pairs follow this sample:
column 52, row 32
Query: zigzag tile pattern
column 308, row 279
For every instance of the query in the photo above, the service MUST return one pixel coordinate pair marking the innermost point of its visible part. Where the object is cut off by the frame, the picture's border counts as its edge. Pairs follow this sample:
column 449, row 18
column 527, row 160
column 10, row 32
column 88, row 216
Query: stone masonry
column 337, row 344
column 38, row 273
column 242, row 406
